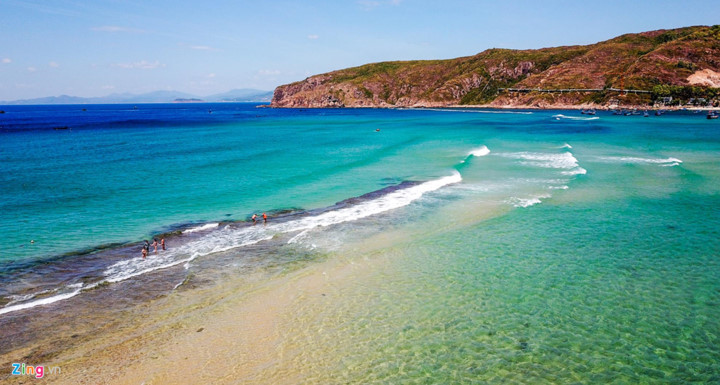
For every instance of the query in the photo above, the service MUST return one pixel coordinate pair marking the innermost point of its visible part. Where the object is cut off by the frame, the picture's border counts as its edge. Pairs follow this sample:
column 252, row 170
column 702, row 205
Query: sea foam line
column 206, row 226
column 664, row 162
column 526, row 202
column 561, row 116
column 563, row 161
column 44, row 301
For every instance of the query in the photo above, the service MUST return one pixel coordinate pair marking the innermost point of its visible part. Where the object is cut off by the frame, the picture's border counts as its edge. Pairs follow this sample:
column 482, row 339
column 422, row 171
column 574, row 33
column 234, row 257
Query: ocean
column 522, row 246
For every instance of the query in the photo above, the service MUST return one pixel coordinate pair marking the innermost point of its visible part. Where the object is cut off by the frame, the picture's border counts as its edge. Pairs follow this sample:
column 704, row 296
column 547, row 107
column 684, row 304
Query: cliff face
column 678, row 57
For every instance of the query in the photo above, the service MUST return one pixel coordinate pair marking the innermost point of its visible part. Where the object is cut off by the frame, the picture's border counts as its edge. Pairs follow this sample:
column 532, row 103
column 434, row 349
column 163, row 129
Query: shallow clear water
column 531, row 247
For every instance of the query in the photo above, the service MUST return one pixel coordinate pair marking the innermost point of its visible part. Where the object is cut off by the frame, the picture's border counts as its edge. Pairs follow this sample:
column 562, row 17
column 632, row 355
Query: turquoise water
column 120, row 174
column 536, row 247
column 556, row 293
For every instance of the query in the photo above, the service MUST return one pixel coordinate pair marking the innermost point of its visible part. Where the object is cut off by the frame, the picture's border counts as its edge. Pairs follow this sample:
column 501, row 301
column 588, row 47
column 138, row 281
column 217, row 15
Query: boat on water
column 712, row 115
column 588, row 112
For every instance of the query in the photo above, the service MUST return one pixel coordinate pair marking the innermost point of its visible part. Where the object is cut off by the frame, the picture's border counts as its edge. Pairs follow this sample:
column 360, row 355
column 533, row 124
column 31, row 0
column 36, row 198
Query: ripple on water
column 544, row 296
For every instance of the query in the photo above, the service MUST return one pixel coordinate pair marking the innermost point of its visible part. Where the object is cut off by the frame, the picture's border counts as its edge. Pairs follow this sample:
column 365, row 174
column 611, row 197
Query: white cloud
column 202, row 47
column 115, row 28
column 211, row 75
column 144, row 65
column 313, row 37
column 6, row 61
column 108, row 87
column 54, row 64
column 31, row 69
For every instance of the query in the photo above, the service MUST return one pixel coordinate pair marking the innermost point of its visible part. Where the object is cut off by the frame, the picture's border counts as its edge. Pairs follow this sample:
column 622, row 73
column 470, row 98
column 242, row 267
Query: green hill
column 683, row 63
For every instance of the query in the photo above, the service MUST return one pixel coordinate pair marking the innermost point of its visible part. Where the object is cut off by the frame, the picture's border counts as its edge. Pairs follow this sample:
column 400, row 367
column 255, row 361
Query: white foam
column 526, row 202
column 44, row 301
column 206, row 226
column 23, row 297
column 566, row 146
column 564, row 161
column 480, row 151
column 561, row 116
column 664, row 162
column 298, row 238
column 388, row 202
column 131, row 268
column 576, row 171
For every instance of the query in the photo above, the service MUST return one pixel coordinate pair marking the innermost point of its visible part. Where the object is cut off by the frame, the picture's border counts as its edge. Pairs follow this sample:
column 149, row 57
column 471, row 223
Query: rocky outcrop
column 706, row 77
column 310, row 93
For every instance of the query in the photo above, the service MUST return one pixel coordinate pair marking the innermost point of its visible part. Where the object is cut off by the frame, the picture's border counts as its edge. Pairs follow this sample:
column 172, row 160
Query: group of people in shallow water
column 254, row 218
column 161, row 243
column 146, row 246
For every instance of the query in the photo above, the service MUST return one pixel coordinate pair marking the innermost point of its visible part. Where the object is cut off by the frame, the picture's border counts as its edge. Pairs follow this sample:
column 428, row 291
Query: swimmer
column 162, row 243
column 155, row 244
column 144, row 252
column 254, row 218
column 264, row 217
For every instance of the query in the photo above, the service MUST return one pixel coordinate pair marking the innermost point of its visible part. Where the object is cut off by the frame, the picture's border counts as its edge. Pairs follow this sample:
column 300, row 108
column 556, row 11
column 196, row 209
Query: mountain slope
column 639, row 61
column 242, row 95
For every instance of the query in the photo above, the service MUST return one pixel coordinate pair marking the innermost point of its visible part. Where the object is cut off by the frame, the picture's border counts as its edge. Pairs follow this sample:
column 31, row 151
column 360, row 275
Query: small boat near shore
column 712, row 115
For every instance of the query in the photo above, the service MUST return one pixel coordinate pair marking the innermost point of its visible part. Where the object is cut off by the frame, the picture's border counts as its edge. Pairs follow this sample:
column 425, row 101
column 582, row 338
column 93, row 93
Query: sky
column 100, row 47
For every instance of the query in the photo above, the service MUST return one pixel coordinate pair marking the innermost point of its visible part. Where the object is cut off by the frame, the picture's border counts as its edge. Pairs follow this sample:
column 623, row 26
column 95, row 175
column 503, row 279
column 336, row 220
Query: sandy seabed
column 250, row 330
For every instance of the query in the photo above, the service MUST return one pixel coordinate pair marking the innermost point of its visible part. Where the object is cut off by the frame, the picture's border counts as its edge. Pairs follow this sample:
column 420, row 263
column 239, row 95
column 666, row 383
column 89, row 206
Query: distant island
column 662, row 68
column 237, row 95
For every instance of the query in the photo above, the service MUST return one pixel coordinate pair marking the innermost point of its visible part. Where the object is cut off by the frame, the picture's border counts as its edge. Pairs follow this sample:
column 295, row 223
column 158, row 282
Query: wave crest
column 480, row 151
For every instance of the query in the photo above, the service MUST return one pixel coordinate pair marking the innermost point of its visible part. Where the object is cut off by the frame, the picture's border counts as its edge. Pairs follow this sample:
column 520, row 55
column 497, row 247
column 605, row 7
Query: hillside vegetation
column 682, row 62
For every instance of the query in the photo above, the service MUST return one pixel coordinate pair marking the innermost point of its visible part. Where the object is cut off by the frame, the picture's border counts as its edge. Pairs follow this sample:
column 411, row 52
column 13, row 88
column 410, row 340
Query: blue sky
column 99, row 47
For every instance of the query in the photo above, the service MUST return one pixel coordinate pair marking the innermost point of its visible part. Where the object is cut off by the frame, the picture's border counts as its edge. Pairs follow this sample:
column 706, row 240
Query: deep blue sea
column 533, row 246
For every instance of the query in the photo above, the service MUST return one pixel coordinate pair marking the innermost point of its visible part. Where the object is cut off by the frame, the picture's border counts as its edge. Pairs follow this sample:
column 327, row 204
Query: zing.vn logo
column 29, row 370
